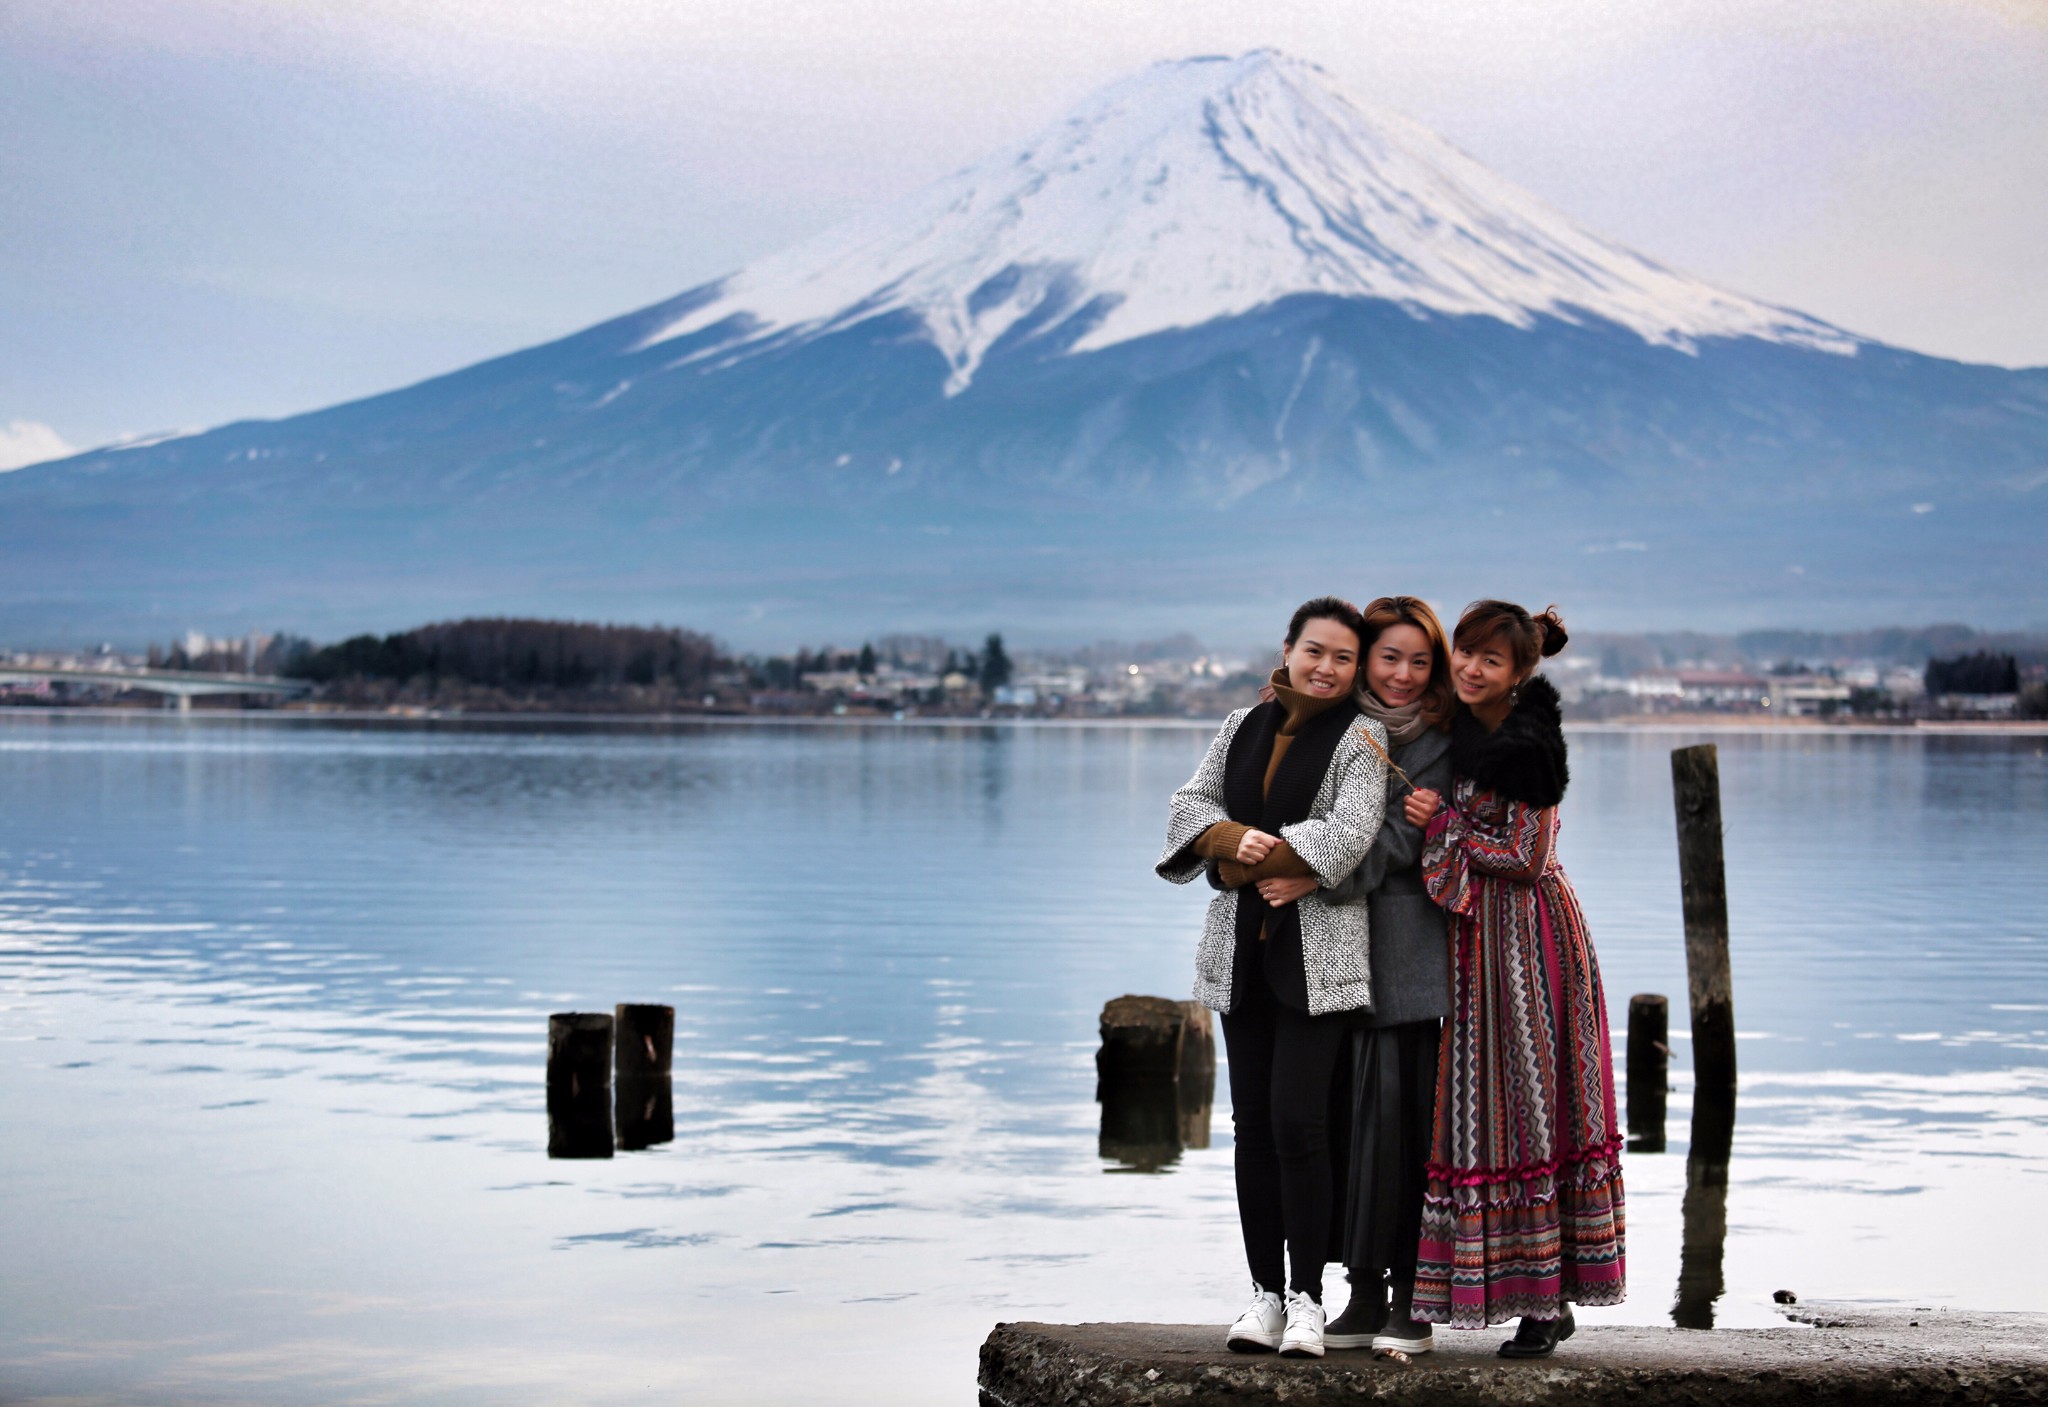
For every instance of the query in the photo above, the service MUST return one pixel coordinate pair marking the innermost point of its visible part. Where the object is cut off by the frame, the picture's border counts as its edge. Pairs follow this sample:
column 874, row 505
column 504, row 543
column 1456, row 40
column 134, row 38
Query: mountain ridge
column 977, row 433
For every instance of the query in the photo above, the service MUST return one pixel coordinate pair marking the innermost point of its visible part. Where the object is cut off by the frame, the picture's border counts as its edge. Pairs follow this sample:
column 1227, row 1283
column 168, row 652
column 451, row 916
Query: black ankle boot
column 1537, row 1338
column 1364, row 1317
column 1404, row 1332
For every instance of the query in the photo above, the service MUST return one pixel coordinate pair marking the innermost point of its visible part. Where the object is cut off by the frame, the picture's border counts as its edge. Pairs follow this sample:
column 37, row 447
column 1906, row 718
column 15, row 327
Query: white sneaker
column 1258, row 1329
column 1304, row 1336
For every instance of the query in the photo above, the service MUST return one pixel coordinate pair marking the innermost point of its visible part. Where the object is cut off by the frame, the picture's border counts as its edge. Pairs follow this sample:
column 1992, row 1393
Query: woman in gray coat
column 1404, row 684
column 1295, row 786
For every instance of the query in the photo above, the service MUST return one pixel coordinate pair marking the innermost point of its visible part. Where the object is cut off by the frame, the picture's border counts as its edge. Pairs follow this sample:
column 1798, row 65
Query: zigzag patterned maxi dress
column 1523, row 1208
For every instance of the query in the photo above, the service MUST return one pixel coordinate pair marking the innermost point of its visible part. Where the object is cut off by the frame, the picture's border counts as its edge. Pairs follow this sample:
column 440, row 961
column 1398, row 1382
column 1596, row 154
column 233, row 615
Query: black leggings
column 1281, row 1064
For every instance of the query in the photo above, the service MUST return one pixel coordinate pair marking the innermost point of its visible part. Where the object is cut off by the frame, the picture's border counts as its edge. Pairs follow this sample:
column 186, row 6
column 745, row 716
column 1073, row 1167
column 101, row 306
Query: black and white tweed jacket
column 1341, row 824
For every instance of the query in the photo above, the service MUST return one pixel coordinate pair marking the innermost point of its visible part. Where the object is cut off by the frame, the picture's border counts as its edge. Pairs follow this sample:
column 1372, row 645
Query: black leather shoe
column 1536, row 1338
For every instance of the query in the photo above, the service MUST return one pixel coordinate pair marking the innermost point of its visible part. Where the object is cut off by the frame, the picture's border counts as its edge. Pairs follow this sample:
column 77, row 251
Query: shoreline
column 1731, row 724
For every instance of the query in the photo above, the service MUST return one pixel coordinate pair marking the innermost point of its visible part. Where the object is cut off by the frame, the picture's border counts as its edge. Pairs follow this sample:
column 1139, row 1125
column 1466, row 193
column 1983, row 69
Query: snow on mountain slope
column 1207, row 188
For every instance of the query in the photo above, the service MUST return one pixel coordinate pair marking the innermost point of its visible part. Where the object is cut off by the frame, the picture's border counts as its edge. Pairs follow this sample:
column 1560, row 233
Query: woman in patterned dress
column 1523, row 1213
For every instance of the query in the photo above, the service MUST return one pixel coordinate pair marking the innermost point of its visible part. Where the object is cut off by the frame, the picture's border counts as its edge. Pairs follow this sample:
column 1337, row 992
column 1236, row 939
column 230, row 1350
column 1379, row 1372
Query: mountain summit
column 1209, row 188
column 1221, row 338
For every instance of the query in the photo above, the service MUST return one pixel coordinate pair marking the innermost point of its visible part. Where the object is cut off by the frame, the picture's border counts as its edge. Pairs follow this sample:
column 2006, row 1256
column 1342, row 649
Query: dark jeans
column 1281, row 1064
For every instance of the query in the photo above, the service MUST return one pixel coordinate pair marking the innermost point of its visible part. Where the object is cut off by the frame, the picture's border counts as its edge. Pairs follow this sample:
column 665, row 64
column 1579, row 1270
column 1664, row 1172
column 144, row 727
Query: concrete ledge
column 1830, row 1356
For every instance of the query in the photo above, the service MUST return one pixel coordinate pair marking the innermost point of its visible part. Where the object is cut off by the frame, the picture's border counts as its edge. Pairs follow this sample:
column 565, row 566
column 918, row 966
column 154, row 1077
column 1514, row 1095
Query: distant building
column 886, row 684
column 1807, row 695
column 836, row 681
column 1059, row 683
column 1715, row 690
column 1722, row 688
column 1976, row 705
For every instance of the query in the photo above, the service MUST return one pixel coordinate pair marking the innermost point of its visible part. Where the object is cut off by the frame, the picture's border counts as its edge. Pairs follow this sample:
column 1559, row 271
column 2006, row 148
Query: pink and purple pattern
column 1524, row 1207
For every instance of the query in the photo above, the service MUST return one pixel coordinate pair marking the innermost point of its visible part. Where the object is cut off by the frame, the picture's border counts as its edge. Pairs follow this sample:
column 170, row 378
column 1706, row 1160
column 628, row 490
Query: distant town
column 534, row 666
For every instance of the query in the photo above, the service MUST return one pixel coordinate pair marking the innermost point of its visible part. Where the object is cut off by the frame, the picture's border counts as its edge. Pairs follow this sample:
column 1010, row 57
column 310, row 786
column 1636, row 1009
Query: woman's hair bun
column 1550, row 627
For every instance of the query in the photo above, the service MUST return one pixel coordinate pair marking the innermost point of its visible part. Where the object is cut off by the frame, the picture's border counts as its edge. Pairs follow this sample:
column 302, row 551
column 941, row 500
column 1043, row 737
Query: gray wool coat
column 1411, row 946
column 1342, row 823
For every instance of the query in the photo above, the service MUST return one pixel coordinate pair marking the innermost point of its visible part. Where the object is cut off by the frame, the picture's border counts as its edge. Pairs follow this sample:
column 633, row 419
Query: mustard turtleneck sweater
column 1220, row 841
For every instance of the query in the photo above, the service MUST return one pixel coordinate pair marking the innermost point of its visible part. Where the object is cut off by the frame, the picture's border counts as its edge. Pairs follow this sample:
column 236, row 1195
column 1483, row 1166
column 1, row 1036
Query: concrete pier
column 1824, row 1356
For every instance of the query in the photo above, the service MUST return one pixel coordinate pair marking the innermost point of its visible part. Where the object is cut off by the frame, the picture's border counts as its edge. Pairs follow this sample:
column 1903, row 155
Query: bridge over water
column 179, row 687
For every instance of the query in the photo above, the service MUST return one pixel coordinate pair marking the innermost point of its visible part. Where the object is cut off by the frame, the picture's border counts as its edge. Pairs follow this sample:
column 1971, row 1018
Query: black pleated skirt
column 1393, row 1083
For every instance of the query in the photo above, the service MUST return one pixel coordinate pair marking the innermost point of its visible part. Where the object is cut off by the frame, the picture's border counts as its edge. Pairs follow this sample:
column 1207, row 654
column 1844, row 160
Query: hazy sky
column 212, row 209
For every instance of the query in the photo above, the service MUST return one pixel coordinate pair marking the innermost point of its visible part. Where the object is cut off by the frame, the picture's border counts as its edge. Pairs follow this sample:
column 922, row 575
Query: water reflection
column 881, row 1064
column 1156, row 1081
column 1140, row 1124
column 1705, row 1210
column 644, row 1111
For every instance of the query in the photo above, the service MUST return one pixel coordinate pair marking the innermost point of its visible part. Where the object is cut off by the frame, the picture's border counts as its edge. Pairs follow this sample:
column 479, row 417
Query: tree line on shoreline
column 508, row 662
column 520, row 655
column 512, row 663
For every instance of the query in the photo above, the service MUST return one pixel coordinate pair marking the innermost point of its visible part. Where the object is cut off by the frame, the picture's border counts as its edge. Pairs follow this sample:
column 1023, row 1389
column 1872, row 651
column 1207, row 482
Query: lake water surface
column 273, row 1001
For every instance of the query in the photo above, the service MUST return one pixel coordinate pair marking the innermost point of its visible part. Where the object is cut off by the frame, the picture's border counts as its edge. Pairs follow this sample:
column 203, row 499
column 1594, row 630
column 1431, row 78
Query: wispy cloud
column 30, row 442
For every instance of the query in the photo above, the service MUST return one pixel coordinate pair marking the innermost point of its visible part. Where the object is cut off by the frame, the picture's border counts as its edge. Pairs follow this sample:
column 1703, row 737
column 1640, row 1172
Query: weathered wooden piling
column 1703, row 886
column 1649, row 1073
column 644, row 1036
column 1155, row 1079
column 1141, row 1036
column 580, row 1084
column 1705, row 1210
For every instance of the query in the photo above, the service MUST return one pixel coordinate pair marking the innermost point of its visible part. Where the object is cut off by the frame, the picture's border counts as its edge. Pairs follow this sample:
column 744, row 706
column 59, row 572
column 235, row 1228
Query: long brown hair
column 1385, row 612
column 1529, row 638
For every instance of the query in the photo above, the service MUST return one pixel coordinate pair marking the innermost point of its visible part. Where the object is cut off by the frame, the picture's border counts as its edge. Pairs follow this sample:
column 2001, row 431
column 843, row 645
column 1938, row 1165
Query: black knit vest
column 1245, row 796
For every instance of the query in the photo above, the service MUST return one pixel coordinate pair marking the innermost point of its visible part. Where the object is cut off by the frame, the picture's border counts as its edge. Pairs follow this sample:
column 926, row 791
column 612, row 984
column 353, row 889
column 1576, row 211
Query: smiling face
column 1484, row 673
column 1323, row 660
column 1397, row 667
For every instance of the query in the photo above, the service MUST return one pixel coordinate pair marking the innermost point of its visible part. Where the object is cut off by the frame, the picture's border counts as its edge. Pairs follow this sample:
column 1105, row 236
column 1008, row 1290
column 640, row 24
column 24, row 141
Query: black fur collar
column 1523, row 759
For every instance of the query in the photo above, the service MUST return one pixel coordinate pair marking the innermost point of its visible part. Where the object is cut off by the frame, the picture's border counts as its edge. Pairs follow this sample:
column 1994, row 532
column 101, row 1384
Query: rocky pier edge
column 1824, row 1356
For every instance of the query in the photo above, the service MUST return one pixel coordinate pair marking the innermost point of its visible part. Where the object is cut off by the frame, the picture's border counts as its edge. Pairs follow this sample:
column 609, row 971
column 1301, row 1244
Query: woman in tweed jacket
column 1291, row 787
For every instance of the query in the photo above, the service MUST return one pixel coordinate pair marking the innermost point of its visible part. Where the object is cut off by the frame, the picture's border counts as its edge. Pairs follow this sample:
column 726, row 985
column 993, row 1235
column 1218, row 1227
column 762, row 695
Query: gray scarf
column 1404, row 724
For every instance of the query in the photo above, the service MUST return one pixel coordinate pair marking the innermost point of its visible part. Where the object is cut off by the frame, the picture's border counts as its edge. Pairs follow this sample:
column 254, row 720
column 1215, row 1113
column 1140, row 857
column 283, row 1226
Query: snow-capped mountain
column 1222, row 337
column 1208, row 189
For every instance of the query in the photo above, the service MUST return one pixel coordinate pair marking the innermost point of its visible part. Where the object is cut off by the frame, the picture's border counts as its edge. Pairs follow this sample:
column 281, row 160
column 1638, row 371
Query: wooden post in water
column 1141, row 1038
column 644, row 1039
column 580, row 1084
column 1649, row 1059
column 1703, row 886
column 643, row 1046
column 1155, row 1076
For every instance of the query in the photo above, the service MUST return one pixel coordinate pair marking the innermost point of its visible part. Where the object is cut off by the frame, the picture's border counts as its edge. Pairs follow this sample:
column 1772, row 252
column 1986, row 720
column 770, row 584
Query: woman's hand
column 1421, row 805
column 1284, row 891
column 1255, row 846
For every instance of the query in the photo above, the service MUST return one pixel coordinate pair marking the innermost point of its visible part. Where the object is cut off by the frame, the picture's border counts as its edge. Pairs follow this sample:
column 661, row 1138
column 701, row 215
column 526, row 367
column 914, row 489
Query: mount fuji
column 1221, row 337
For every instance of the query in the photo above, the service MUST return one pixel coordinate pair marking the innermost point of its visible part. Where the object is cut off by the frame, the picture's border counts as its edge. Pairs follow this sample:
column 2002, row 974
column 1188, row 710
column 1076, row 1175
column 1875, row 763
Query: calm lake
column 274, row 996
